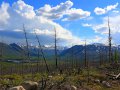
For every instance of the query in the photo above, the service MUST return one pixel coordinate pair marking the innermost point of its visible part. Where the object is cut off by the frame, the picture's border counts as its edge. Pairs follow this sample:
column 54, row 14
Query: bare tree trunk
column 56, row 59
column 85, row 56
column 109, row 39
column 27, row 46
column 38, row 61
column 88, row 68
column 100, row 57
column 23, row 58
column 72, row 62
column 1, row 57
column 88, row 71
column 40, row 47
column 106, row 57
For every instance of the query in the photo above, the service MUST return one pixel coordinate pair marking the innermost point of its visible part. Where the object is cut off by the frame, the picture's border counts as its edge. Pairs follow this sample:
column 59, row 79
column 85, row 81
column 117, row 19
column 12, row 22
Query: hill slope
column 94, row 51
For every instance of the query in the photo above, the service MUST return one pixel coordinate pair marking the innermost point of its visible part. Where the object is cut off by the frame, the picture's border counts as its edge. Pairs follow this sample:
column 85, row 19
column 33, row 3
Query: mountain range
column 93, row 51
column 14, row 51
column 78, row 51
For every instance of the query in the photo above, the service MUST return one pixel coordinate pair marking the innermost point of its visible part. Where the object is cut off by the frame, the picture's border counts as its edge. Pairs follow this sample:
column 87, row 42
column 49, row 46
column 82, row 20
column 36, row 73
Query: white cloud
column 100, row 11
column 61, row 10
column 54, row 12
column 75, row 14
column 23, row 9
column 111, row 7
column 20, row 13
column 4, row 16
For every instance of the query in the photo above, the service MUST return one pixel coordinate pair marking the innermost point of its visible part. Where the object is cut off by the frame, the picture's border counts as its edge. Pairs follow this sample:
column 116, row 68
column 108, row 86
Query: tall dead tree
column 56, row 59
column 23, row 58
column 27, row 47
column 1, row 57
column 106, row 54
column 38, row 54
column 85, row 54
column 109, row 39
column 40, row 47
column 88, row 71
column 72, row 57
column 100, row 56
column 87, row 64
column 1, row 51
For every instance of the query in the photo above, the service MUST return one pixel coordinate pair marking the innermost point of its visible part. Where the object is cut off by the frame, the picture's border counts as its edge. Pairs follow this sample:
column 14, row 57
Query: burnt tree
column 85, row 54
column 27, row 49
column 109, row 40
column 56, row 59
column 41, row 50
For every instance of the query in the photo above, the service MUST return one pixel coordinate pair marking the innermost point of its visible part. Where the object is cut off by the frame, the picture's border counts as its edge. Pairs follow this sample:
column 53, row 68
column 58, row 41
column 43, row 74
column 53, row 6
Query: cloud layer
column 100, row 11
column 61, row 10
column 42, row 21
column 13, row 17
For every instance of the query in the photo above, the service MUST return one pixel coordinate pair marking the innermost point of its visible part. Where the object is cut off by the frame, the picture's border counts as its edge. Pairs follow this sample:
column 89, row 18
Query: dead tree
column 109, row 39
column 100, row 56
column 1, row 57
column 38, row 54
column 85, row 54
column 88, row 71
column 27, row 47
column 23, row 58
column 106, row 53
column 72, row 59
column 56, row 59
column 40, row 47
column 87, row 63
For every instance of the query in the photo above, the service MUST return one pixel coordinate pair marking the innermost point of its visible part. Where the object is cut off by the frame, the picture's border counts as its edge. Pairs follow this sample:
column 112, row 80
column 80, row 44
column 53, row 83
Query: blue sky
column 75, row 20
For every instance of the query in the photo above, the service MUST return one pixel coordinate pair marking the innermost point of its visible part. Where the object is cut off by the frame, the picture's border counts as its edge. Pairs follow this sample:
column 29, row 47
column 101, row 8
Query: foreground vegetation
column 69, row 78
